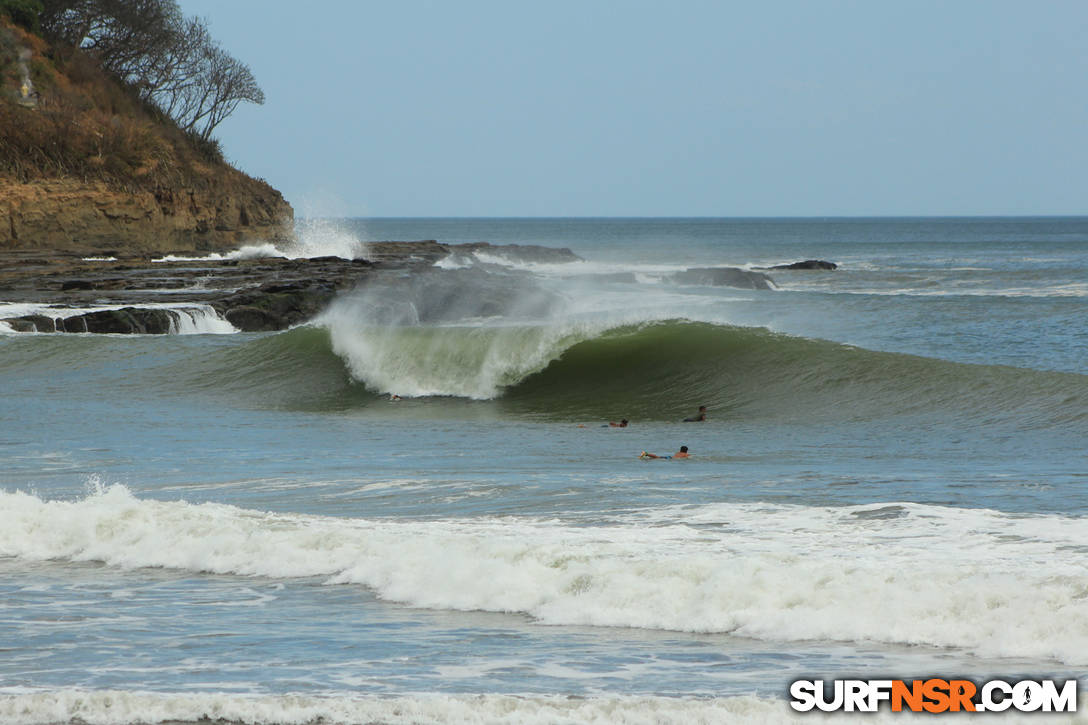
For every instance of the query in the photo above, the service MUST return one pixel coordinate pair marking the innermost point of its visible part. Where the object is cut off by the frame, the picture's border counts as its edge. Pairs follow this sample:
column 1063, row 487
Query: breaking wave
column 651, row 371
column 656, row 369
column 988, row 582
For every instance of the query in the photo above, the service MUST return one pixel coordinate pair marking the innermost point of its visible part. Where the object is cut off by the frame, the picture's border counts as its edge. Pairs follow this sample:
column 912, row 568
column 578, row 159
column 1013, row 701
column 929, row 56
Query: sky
column 593, row 108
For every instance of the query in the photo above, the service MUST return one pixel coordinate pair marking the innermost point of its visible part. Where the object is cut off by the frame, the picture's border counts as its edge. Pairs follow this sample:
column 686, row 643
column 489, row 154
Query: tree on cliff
column 121, row 34
column 171, row 61
column 196, row 82
column 23, row 13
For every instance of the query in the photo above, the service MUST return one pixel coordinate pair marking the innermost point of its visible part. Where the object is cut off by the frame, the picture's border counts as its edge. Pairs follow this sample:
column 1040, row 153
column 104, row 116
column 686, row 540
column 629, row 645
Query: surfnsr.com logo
column 934, row 695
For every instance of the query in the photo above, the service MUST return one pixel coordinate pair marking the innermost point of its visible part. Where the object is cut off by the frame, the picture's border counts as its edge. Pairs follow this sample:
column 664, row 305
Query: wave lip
column 460, row 333
column 468, row 362
column 981, row 581
column 653, row 369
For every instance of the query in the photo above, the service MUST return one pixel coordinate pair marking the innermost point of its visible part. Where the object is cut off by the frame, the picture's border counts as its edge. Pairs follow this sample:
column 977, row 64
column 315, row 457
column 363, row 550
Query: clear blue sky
column 557, row 108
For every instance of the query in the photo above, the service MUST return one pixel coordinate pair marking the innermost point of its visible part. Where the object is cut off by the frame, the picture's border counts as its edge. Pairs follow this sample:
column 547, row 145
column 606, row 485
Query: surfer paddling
column 682, row 453
column 699, row 417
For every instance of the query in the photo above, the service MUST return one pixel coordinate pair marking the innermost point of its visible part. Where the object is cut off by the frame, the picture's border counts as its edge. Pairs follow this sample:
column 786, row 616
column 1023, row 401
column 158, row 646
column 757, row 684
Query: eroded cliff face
column 86, row 167
column 66, row 215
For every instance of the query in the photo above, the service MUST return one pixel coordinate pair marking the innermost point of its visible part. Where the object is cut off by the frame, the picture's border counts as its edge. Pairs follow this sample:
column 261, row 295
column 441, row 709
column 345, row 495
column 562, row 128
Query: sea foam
column 313, row 238
column 112, row 707
column 982, row 581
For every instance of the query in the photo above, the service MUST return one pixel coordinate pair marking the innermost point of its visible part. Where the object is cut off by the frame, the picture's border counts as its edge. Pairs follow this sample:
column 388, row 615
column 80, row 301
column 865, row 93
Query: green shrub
column 23, row 13
column 209, row 148
column 8, row 51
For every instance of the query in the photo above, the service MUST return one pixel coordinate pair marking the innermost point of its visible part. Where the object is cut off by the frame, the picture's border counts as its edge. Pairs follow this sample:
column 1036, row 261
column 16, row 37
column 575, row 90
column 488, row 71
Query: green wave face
column 664, row 370
column 653, row 371
column 659, row 370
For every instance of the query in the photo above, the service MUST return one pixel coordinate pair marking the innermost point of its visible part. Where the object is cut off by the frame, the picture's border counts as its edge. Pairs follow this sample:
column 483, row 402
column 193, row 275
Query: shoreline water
column 890, row 483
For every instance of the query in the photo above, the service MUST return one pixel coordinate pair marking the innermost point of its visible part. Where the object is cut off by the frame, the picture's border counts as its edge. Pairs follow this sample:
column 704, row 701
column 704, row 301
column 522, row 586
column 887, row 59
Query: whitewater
column 412, row 508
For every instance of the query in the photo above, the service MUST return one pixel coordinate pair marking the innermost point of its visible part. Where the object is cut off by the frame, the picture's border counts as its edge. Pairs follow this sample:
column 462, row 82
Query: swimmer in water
column 699, row 417
column 621, row 424
column 682, row 453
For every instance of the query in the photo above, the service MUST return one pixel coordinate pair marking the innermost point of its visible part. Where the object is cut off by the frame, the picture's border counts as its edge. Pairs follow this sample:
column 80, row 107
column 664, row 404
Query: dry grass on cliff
column 90, row 127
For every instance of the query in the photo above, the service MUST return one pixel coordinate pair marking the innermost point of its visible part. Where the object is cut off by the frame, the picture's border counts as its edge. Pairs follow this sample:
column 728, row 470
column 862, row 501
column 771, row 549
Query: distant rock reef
column 126, row 294
column 810, row 264
column 262, row 294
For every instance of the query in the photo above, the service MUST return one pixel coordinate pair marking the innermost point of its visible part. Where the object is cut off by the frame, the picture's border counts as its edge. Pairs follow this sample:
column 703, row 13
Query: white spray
column 27, row 95
column 984, row 581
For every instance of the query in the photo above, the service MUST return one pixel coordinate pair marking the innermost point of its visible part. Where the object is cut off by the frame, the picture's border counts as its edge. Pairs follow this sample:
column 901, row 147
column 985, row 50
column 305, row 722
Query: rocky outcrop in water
column 261, row 294
column 124, row 321
column 273, row 293
column 807, row 264
column 278, row 305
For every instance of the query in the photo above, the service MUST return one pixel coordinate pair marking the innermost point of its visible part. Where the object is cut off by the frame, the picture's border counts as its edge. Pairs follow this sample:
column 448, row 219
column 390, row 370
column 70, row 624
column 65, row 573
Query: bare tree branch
column 170, row 60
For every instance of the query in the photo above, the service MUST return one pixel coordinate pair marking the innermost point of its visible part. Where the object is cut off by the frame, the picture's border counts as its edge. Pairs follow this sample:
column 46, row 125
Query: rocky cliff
column 93, row 218
column 86, row 168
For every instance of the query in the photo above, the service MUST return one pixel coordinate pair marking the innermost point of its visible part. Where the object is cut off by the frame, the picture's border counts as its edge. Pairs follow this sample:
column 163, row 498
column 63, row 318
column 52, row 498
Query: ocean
column 892, row 481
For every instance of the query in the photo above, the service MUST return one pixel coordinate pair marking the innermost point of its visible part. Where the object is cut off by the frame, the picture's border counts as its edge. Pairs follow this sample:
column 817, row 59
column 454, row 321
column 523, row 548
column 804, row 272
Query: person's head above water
column 683, row 449
column 700, row 416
